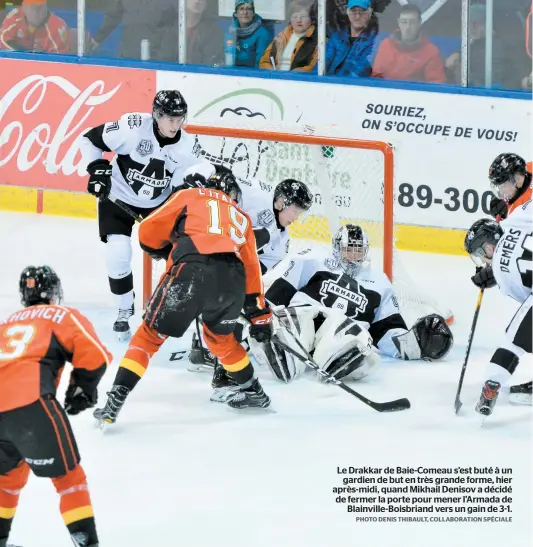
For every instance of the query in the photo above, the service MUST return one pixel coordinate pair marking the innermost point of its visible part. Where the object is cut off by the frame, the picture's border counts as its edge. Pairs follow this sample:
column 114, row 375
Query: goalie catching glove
column 99, row 184
column 260, row 316
column 429, row 339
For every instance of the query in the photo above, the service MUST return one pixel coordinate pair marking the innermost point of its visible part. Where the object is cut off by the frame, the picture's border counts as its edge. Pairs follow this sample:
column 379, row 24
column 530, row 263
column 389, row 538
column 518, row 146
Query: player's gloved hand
column 260, row 317
column 77, row 400
column 484, row 278
column 160, row 254
column 498, row 207
column 99, row 184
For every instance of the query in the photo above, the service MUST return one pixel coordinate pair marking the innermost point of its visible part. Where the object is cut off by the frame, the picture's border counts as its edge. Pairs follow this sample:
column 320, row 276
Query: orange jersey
column 203, row 221
column 526, row 196
column 35, row 344
column 51, row 37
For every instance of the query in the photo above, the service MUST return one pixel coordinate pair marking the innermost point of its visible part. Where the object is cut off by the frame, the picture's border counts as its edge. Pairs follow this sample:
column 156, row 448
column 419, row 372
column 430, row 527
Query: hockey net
column 352, row 182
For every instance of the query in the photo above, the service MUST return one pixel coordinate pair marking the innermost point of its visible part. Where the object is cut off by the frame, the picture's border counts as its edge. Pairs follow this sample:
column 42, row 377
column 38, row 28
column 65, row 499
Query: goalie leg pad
column 283, row 365
column 344, row 349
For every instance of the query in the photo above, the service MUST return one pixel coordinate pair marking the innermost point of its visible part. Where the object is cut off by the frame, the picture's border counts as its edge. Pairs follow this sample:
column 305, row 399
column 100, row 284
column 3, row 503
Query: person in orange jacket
column 408, row 54
column 34, row 28
column 510, row 180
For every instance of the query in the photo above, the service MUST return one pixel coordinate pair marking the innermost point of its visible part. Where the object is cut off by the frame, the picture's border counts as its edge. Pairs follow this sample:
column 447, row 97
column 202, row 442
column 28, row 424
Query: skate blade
column 521, row 399
column 123, row 336
column 200, row 368
column 103, row 424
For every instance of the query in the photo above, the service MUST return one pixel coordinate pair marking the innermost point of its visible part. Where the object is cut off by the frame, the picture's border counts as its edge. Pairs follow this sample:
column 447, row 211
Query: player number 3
column 238, row 222
column 19, row 336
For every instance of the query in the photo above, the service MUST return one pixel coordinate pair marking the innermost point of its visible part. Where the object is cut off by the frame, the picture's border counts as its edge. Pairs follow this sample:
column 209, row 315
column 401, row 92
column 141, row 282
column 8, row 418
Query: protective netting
column 348, row 183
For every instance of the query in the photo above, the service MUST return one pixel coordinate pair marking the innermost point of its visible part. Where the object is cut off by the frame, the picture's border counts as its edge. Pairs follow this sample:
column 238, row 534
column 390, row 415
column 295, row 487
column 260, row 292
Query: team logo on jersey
column 331, row 263
column 112, row 127
column 134, row 120
column 335, row 295
column 145, row 147
column 265, row 218
column 149, row 180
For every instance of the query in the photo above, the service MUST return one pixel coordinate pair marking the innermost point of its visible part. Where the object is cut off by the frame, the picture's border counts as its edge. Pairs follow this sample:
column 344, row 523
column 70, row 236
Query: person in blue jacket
column 349, row 50
column 252, row 37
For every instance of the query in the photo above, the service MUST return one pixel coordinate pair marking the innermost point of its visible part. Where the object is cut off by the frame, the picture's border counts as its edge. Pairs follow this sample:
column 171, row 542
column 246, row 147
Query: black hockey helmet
column 483, row 231
column 226, row 182
column 39, row 285
column 504, row 167
column 350, row 248
column 169, row 102
column 294, row 192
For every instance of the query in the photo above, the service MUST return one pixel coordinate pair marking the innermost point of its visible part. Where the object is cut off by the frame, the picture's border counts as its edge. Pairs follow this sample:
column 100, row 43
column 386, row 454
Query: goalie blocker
column 342, row 347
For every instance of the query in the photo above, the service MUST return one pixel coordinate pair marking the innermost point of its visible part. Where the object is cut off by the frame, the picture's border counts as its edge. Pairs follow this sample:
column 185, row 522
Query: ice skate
column 520, row 394
column 489, row 396
column 79, row 539
column 121, row 326
column 115, row 401
column 223, row 385
column 250, row 397
column 200, row 358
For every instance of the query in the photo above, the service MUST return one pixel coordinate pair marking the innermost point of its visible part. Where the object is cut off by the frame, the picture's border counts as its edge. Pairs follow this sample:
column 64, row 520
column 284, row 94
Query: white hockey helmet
column 350, row 248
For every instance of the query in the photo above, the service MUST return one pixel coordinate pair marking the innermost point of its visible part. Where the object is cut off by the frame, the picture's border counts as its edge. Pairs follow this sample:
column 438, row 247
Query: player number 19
column 238, row 224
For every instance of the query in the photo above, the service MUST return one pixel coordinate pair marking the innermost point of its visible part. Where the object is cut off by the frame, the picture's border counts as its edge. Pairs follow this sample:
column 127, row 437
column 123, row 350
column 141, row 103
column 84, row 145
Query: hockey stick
column 458, row 403
column 390, row 406
column 125, row 208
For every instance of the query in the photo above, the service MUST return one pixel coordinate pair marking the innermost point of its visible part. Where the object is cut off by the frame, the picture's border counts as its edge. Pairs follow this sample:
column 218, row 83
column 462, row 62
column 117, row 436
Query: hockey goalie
column 345, row 313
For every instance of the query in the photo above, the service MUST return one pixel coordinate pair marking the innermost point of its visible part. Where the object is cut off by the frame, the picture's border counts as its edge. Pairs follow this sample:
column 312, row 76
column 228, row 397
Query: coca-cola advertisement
column 45, row 107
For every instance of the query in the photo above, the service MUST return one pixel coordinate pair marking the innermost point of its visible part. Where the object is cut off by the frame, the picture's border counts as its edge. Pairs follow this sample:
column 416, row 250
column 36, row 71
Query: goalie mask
column 350, row 248
column 39, row 285
column 481, row 239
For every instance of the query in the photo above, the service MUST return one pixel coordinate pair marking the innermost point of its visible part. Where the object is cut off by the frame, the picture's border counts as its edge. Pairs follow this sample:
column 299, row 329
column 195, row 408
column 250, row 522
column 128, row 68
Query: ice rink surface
column 178, row 470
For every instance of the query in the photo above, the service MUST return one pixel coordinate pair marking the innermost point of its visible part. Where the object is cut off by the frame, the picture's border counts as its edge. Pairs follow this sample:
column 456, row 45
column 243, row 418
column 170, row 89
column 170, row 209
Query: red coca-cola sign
column 45, row 107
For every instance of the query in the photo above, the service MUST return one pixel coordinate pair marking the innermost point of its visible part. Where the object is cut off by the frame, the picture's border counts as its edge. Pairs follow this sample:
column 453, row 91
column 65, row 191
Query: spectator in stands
column 408, row 54
column 337, row 16
column 205, row 38
column 252, row 37
column 34, row 28
column 142, row 20
column 295, row 47
column 348, row 50
column 476, row 53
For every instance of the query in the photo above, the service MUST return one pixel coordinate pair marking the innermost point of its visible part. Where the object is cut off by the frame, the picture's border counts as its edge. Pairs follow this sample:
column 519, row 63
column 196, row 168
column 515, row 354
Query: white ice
column 177, row 470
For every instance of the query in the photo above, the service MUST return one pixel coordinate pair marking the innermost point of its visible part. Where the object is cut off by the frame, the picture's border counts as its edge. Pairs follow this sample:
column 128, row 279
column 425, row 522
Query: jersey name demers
column 508, row 244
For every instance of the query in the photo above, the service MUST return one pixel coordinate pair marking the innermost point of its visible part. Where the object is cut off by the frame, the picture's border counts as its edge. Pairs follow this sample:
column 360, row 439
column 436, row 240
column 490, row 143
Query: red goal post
column 349, row 186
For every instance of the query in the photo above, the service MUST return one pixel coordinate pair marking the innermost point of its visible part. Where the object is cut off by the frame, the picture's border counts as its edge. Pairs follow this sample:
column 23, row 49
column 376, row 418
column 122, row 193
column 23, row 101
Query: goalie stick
column 389, row 406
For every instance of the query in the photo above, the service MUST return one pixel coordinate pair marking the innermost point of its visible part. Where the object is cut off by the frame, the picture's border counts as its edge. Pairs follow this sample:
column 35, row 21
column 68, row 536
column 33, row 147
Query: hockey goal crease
column 352, row 181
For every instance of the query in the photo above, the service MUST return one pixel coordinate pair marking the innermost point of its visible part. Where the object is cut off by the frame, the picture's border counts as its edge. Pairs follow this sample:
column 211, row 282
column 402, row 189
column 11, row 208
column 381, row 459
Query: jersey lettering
column 344, row 295
column 151, row 180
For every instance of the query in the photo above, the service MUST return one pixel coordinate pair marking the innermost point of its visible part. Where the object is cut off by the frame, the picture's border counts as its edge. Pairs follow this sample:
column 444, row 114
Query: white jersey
column 258, row 202
column 369, row 299
column 146, row 167
column 511, row 262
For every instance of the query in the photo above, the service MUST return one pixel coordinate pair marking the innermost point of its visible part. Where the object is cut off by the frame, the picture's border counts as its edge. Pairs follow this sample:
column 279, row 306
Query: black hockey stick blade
column 389, row 406
column 125, row 208
column 458, row 403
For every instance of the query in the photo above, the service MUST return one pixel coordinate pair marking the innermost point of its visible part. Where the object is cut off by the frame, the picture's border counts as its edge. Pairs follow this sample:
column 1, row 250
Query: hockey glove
column 498, row 207
column 260, row 317
column 160, row 254
column 99, row 178
column 77, row 400
column 484, row 278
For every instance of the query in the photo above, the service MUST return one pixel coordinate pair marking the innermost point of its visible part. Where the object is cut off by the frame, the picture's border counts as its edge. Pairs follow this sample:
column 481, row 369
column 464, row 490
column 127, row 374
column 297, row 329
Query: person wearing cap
column 295, row 47
column 408, row 54
column 252, row 37
column 476, row 53
column 349, row 50
column 34, row 28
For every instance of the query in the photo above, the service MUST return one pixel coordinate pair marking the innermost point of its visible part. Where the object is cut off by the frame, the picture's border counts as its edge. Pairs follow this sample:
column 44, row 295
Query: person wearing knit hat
column 252, row 38
column 33, row 27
